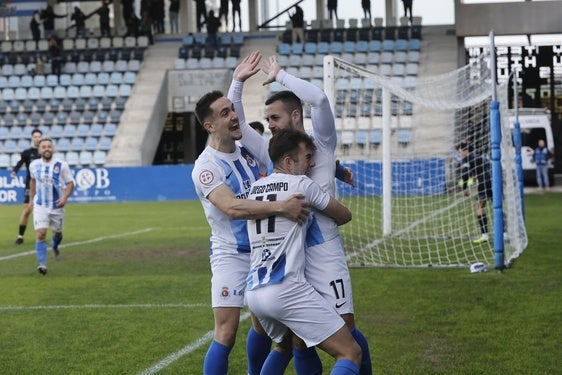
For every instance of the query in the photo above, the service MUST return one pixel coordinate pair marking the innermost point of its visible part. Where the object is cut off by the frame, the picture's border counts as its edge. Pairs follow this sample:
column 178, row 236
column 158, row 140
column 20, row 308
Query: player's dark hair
column 257, row 126
column 203, row 107
column 288, row 98
column 45, row 140
column 286, row 142
column 36, row 131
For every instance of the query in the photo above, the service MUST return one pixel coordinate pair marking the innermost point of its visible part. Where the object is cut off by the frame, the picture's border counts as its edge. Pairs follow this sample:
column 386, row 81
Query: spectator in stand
column 34, row 25
column 174, row 10
column 79, row 19
column 235, row 10
column 366, row 5
column 146, row 26
column 103, row 13
column 158, row 13
column 297, row 20
column 127, row 8
column 55, row 52
column 133, row 24
column 408, row 8
column 213, row 24
column 201, row 12
column 223, row 12
column 333, row 9
column 49, row 21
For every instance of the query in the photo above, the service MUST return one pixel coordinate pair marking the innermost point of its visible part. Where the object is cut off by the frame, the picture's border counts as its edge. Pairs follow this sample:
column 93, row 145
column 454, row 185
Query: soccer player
column 27, row 156
column 50, row 187
column 476, row 167
column 222, row 176
column 278, row 292
column 326, row 264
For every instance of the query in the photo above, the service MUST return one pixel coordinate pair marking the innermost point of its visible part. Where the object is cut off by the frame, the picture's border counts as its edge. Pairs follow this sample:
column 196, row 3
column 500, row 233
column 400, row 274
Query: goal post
column 399, row 136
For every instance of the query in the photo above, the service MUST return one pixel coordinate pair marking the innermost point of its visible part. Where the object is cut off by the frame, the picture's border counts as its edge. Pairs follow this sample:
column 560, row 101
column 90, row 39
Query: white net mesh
column 419, row 214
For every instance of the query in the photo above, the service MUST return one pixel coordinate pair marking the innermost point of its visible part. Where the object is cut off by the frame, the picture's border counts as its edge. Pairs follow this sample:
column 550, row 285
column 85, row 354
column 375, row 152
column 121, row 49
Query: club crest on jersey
column 56, row 169
column 225, row 292
column 251, row 161
column 206, row 177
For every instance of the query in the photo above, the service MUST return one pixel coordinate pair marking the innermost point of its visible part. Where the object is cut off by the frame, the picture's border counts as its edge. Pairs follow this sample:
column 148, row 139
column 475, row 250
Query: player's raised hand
column 296, row 208
column 248, row 67
column 271, row 68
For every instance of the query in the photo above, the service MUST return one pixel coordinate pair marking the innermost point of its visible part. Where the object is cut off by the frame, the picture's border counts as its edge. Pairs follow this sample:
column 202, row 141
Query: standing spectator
column 200, row 13
column 146, row 26
column 408, row 9
column 366, row 5
column 476, row 168
column 49, row 21
column 213, row 24
column 297, row 20
column 157, row 14
column 333, row 9
column 133, row 25
column 27, row 156
column 174, row 10
column 34, row 26
column 55, row 53
column 103, row 13
column 541, row 155
column 49, row 189
column 79, row 19
column 277, row 291
column 236, row 10
column 222, row 176
column 223, row 12
column 128, row 8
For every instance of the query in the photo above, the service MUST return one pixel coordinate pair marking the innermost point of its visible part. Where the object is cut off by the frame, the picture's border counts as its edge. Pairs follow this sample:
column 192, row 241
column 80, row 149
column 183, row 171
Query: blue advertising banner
column 154, row 183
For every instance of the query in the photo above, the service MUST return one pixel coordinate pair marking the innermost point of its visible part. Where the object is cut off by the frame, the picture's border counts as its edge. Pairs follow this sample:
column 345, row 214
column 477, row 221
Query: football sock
column 275, row 364
column 41, row 250
column 366, row 366
column 307, row 361
column 56, row 241
column 216, row 360
column 257, row 349
column 345, row 367
column 21, row 230
column 483, row 221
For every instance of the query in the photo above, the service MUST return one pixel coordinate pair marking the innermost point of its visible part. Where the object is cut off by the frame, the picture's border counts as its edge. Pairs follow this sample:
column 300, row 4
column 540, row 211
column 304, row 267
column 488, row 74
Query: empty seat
column 85, row 158
column 63, row 145
column 96, row 130
column 77, row 144
column 109, row 130
column 403, row 136
column 99, row 157
column 72, row 158
column 91, row 144
column 375, row 138
column 105, row 143
column 83, row 130
column 56, row 131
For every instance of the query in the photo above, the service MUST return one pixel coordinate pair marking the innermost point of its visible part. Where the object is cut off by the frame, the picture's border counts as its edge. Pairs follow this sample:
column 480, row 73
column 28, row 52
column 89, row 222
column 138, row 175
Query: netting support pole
column 386, row 163
column 497, row 183
column 517, row 141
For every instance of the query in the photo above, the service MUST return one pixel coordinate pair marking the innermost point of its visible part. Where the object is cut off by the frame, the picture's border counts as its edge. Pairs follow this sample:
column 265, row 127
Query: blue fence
column 162, row 183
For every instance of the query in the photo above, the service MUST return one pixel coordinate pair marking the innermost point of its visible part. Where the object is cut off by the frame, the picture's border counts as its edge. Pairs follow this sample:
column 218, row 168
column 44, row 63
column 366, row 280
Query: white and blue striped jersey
column 51, row 179
column 237, row 170
column 323, row 133
column 278, row 244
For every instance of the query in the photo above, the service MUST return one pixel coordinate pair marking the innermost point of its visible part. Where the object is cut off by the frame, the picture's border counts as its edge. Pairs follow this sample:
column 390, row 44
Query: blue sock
column 366, row 366
column 216, row 360
column 307, row 361
column 345, row 367
column 56, row 241
column 275, row 364
column 257, row 349
column 41, row 250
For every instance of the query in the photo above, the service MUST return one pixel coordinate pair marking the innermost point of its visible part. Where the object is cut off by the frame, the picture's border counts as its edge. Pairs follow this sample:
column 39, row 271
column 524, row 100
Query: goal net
column 411, row 207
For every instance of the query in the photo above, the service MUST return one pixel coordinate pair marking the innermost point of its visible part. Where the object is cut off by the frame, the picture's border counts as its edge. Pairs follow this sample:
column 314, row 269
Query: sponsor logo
column 338, row 305
column 206, row 177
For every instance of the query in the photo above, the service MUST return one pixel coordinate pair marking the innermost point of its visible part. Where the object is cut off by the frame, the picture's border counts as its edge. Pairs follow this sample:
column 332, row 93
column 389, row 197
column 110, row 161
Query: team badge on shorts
column 206, row 177
column 225, row 292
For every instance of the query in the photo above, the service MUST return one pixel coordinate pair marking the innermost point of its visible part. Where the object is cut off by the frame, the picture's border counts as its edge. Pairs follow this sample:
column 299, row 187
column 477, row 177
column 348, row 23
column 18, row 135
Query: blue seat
column 80, row 104
column 310, row 48
column 83, row 130
column 284, row 49
column 388, row 45
column 63, row 145
column 401, row 45
column 105, row 144
column 85, row 158
column 362, row 46
column 336, row 48
column 99, row 157
column 323, row 48
column 297, row 48
column 109, row 130
column 9, row 119
column 91, row 144
column 48, row 118
column 96, row 129
column 375, row 138
column 72, row 158
column 10, row 146
column 361, row 138
column 57, row 131
column 403, row 136
column 348, row 47
column 76, row 144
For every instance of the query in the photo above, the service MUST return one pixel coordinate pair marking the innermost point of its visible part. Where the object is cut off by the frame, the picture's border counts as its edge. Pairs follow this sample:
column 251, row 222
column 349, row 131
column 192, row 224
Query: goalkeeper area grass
column 131, row 296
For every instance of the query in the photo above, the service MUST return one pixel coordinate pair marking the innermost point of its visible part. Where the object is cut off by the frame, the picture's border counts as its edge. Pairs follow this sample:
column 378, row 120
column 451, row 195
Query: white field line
column 71, row 244
column 101, row 306
column 183, row 351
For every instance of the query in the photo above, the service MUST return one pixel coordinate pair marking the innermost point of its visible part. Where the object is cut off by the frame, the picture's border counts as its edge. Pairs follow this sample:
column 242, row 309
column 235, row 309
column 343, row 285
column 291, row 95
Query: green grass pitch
column 131, row 296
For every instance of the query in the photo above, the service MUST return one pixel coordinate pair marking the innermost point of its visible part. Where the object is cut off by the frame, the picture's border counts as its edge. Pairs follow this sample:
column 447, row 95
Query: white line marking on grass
column 93, row 240
column 183, row 351
column 101, row 306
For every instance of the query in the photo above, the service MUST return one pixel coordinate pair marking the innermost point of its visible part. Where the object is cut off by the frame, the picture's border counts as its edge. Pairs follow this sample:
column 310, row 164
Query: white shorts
column 229, row 279
column 294, row 306
column 48, row 217
column 326, row 270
